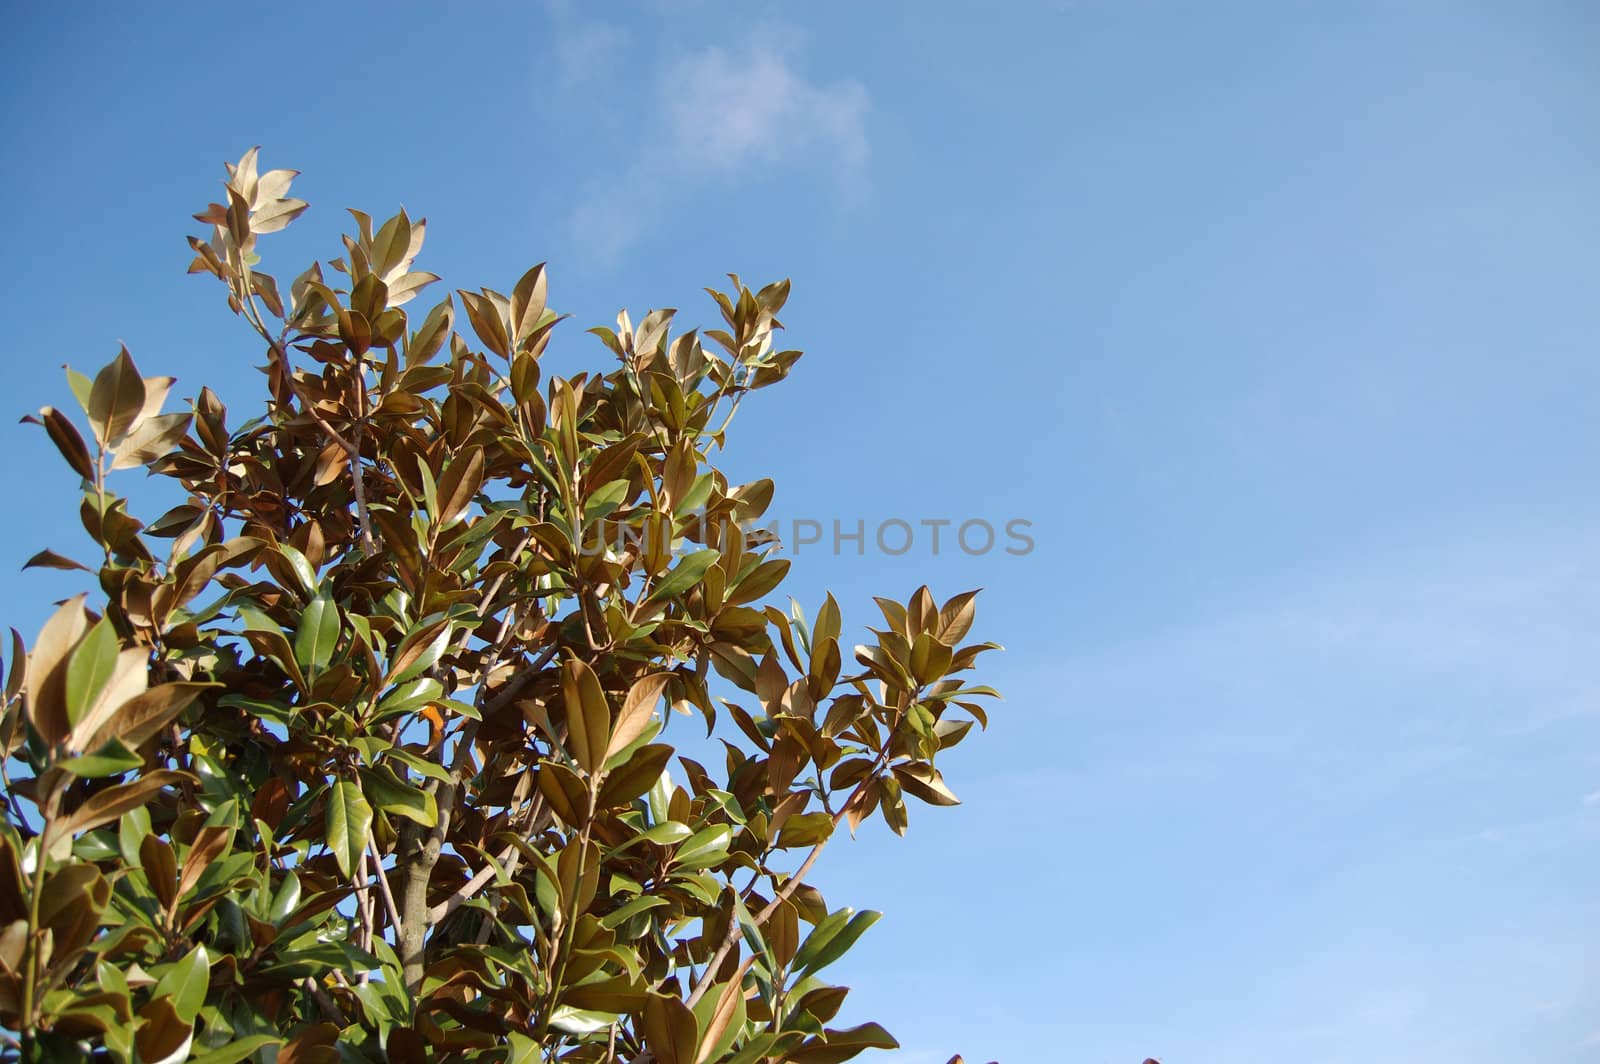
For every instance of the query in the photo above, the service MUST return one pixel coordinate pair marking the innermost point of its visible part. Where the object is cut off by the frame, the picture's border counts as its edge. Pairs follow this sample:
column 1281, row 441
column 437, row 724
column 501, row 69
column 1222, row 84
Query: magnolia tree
column 356, row 753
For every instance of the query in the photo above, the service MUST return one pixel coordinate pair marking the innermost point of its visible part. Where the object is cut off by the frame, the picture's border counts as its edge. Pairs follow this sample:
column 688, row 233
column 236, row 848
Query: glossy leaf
column 348, row 820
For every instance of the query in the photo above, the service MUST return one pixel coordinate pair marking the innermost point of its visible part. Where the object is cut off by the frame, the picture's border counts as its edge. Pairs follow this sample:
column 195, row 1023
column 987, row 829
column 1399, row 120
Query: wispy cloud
column 722, row 114
column 729, row 110
column 1409, row 665
column 582, row 50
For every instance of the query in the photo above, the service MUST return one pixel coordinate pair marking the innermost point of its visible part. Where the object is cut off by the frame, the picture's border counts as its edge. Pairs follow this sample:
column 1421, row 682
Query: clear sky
column 1279, row 322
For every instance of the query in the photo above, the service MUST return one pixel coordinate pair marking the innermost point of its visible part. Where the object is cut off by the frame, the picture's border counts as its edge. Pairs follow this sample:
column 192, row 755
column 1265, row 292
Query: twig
column 515, row 685
column 330, row 1008
column 465, row 892
column 383, row 883
column 364, row 905
column 736, row 932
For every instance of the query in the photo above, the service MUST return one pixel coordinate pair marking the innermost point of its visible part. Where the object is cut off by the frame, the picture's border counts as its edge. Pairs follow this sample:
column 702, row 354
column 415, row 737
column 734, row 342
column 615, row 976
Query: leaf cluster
column 358, row 752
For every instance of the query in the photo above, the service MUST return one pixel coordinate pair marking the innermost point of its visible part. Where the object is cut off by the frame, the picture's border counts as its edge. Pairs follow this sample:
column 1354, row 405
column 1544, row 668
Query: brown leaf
column 459, row 485
column 955, row 617
column 331, row 463
column 161, row 869
column 588, row 715
column 207, row 847
column 925, row 782
column 308, row 1046
column 116, row 400
column 64, row 434
column 670, row 1030
column 163, row 1031
column 153, row 438
column 111, row 803
column 49, row 559
column 155, row 395
column 275, row 215
column 527, row 303
column 138, row 720
column 47, row 670
column 637, row 710
column 727, row 1006
column 195, row 573
column 564, row 792
column 487, row 323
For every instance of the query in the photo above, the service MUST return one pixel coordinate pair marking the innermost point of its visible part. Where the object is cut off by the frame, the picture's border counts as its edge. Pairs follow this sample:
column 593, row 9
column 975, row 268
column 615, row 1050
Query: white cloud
column 728, row 111
column 720, row 115
column 583, row 50
column 1417, row 663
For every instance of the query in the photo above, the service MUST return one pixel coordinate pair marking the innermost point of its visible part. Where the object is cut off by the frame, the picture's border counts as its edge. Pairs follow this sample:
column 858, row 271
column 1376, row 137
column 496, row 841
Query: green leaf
column 317, row 634
column 111, row 759
column 81, row 386
column 704, row 848
column 186, row 983
column 805, row 829
column 631, row 780
column 349, row 819
column 287, row 898
column 236, row 1050
column 409, row 697
column 623, row 913
column 131, row 830
column 686, row 574
column 91, row 666
column 580, row 1021
column 421, row 765
column 666, row 833
column 605, row 499
column 660, row 796
column 301, row 566
column 832, row 938
column 752, row 932
column 863, row 1036
column 394, row 796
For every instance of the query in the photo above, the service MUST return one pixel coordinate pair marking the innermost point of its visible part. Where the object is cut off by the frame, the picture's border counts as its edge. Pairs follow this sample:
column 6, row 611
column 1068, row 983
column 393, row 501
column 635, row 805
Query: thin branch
column 736, row 932
column 364, row 906
column 383, row 883
column 515, row 685
column 330, row 1008
column 465, row 892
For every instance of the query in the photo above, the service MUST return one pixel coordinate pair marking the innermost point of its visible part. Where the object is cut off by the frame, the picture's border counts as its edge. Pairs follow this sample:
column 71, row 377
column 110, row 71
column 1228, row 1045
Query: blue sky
column 1278, row 321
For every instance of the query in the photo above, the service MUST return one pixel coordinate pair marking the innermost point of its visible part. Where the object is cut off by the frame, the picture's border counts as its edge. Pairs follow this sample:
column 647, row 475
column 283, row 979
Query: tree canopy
column 357, row 753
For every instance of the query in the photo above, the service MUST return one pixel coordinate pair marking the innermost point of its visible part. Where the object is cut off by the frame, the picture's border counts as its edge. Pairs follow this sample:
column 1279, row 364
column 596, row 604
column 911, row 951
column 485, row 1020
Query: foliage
column 365, row 761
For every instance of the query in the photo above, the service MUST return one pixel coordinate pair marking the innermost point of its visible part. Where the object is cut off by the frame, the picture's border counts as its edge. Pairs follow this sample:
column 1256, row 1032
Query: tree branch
column 735, row 932
column 467, row 890
column 383, row 883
